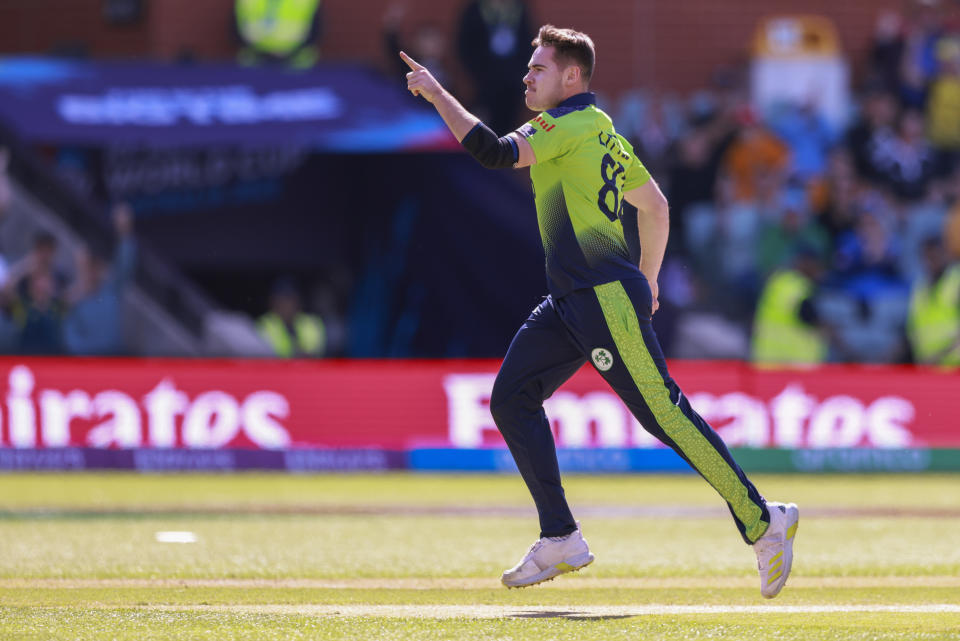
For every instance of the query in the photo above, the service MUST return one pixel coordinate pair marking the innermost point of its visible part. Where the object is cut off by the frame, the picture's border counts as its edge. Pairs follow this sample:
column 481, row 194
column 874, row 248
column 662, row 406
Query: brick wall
column 39, row 26
column 668, row 44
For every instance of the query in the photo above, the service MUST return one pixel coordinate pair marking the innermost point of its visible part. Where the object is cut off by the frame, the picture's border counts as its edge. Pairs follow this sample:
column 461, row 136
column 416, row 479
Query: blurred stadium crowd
column 797, row 235
column 49, row 308
column 798, row 240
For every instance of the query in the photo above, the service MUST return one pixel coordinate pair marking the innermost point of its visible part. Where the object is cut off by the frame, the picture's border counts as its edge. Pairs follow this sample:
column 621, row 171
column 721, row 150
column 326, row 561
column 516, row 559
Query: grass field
column 397, row 556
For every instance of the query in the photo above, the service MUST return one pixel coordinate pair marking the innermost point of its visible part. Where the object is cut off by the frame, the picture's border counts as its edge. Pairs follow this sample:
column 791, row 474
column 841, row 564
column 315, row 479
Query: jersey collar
column 579, row 100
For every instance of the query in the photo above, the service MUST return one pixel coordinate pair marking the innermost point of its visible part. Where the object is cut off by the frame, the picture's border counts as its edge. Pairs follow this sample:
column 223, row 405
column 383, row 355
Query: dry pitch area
column 397, row 556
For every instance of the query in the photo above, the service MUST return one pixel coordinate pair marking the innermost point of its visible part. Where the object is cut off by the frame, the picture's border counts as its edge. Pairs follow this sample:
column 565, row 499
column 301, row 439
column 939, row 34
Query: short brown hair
column 569, row 46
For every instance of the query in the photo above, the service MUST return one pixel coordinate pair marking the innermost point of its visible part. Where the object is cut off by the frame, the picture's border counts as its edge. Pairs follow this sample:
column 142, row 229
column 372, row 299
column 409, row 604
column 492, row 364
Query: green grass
column 552, row 594
column 120, row 490
column 137, row 625
column 396, row 546
column 79, row 559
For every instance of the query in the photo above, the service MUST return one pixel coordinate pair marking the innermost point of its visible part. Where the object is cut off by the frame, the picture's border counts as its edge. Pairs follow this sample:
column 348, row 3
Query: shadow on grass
column 571, row 616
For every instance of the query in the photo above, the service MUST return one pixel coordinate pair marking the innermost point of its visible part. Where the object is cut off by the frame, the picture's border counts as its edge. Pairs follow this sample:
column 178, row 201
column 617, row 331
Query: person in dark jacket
column 494, row 43
column 93, row 325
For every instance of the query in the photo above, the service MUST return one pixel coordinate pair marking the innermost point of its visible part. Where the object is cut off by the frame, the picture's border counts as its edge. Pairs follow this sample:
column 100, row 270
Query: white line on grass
column 483, row 583
column 545, row 611
column 175, row 537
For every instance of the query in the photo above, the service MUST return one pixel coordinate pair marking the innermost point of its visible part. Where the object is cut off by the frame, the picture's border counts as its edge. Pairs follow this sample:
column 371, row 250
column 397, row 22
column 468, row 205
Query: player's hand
column 420, row 82
column 654, row 293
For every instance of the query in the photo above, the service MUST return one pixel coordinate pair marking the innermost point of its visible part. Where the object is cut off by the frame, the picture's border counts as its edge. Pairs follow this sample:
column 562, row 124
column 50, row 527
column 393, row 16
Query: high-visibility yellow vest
column 779, row 336
column 934, row 321
column 308, row 339
column 943, row 112
column 276, row 27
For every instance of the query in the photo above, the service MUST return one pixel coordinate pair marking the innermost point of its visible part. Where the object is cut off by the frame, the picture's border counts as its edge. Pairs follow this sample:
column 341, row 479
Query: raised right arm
column 483, row 144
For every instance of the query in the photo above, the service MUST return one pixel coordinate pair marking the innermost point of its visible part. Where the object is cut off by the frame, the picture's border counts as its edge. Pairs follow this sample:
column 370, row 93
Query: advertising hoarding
column 226, row 414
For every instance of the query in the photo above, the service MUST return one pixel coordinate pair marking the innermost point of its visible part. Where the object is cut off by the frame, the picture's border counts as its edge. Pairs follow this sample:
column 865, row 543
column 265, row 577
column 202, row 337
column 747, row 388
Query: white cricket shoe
column 775, row 548
column 547, row 558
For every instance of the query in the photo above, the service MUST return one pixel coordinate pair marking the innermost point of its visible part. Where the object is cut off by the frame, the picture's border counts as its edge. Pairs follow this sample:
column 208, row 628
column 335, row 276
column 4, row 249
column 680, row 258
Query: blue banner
column 594, row 460
column 430, row 460
column 343, row 108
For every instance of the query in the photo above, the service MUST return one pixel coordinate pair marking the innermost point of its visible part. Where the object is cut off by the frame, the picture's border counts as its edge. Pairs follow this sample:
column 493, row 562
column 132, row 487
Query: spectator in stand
column 874, row 130
column 866, row 261
column 918, row 64
column 494, row 43
column 950, row 192
column 278, row 32
column 655, row 132
column 906, row 164
column 943, row 107
column 652, row 122
column 951, row 229
column 754, row 154
column 886, row 52
column 835, row 200
column 933, row 327
column 42, row 258
column 807, row 134
column 39, row 316
column 786, row 328
column 691, row 181
column 695, row 164
column 34, row 293
column 94, row 323
column 790, row 229
column 721, row 239
column 735, row 236
column 429, row 45
column 290, row 331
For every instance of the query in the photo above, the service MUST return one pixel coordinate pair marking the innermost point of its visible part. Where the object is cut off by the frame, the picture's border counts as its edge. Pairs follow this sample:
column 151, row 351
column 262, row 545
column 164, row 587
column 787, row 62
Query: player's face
column 544, row 81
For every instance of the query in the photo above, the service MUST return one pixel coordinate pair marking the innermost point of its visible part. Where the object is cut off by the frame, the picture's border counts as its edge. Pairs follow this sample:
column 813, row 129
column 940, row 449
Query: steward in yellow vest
column 784, row 329
column 278, row 31
column 933, row 325
column 288, row 330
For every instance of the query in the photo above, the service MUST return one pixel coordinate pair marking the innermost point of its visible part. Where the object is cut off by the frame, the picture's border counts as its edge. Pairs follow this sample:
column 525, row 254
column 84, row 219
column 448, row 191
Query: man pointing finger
column 599, row 307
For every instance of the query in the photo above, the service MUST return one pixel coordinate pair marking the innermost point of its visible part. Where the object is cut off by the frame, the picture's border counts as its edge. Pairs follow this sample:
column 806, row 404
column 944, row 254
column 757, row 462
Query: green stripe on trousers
column 622, row 321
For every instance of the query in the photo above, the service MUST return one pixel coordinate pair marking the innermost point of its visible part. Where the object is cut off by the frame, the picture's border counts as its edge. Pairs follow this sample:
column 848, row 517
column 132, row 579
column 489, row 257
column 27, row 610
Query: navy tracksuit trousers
column 608, row 324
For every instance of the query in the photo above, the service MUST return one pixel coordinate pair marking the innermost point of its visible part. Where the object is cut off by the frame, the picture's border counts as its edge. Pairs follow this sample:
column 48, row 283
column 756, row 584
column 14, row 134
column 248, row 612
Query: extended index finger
column 413, row 64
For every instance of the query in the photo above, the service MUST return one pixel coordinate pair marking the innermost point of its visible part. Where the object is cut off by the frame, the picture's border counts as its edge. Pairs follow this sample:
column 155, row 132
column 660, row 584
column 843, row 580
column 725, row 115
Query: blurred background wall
column 810, row 160
column 660, row 45
column 249, row 179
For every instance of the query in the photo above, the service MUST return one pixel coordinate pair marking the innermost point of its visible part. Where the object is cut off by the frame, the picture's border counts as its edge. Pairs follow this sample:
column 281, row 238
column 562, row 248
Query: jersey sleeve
column 637, row 174
column 547, row 136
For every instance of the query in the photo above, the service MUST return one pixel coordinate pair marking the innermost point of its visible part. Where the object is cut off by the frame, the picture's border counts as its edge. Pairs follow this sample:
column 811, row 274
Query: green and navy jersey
column 583, row 168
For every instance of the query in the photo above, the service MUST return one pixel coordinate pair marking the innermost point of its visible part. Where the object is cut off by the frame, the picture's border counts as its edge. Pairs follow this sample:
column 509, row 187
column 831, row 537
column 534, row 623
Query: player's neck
column 570, row 93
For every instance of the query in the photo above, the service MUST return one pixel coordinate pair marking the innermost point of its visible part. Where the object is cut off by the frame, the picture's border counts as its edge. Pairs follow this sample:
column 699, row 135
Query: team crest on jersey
column 602, row 358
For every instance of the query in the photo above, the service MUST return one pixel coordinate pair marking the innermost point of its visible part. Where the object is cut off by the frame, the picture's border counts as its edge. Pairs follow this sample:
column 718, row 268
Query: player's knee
column 500, row 405
column 506, row 405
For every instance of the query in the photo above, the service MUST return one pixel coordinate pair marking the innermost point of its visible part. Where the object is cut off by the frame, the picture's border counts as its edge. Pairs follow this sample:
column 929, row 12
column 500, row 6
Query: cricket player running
column 599, row 308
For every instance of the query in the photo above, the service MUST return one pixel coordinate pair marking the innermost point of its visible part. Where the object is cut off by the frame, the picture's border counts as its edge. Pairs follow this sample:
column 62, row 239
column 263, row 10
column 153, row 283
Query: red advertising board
column 396, row 405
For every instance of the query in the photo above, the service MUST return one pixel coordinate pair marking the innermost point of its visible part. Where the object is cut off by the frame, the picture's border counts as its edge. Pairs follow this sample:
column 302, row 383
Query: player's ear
column 572, row 75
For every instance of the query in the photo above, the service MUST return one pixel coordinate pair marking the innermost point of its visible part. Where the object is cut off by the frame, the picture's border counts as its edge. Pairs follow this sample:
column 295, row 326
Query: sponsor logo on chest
column 543, row 123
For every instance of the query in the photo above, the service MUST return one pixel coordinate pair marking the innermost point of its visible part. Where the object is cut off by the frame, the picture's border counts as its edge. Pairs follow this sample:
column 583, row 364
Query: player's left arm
column 653, row 222
column 483, row 144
